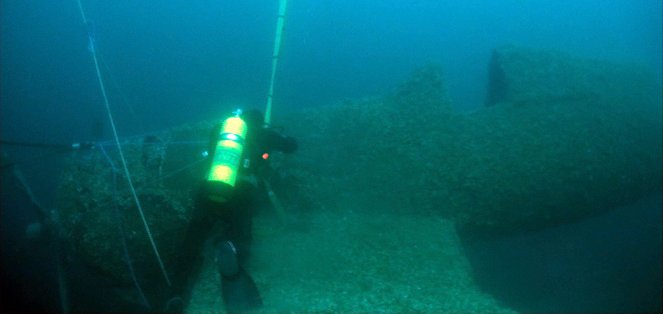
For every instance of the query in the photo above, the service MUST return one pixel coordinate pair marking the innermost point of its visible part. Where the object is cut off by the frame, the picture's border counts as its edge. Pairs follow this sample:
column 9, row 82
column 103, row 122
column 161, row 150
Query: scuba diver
column 237, row 165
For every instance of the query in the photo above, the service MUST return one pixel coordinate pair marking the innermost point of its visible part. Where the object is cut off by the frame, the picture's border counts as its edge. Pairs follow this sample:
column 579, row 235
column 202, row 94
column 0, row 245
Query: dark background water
column 170, row 62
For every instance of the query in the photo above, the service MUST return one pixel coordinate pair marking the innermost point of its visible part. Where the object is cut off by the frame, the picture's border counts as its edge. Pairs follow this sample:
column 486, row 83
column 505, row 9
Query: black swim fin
column 239, row 291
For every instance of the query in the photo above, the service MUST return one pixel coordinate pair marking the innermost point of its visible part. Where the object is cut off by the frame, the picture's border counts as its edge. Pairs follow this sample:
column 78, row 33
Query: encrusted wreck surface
column 561, row 139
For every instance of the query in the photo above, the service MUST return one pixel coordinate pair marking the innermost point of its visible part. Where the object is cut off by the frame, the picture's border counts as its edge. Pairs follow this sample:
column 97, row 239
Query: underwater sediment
column 559, row 140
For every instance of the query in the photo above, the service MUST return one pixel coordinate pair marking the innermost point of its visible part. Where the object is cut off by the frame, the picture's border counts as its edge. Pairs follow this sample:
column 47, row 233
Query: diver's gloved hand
column 276, row 141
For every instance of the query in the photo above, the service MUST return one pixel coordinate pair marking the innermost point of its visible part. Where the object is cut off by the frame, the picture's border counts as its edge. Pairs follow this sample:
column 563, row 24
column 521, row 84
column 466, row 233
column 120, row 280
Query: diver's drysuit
column 235, row 214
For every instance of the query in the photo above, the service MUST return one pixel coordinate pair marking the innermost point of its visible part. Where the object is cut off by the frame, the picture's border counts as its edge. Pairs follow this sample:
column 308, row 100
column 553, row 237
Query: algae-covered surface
column 350, row 261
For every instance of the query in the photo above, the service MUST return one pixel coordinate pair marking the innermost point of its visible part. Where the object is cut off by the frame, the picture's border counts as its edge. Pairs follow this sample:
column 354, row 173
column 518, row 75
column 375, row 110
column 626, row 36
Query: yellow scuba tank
column 226, row 158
